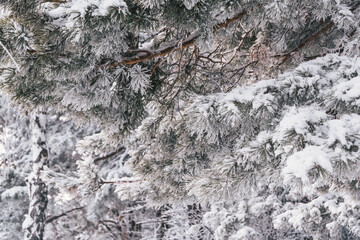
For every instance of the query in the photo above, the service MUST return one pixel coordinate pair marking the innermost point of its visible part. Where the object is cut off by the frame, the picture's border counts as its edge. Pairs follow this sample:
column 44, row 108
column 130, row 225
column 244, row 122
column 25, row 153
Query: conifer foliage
column 235, row 119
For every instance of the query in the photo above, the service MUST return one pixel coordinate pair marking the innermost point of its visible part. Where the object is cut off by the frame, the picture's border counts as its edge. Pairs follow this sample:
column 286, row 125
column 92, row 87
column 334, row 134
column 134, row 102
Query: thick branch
column 50, row 219
column 189, row 41
column 328, row 26
column 229, row 21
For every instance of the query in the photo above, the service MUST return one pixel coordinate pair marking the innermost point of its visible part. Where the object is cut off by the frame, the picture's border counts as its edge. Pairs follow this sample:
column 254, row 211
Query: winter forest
column 179, row 119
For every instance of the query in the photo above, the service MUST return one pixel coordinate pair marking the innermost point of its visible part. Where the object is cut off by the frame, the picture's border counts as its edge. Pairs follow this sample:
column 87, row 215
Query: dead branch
column 51, row 219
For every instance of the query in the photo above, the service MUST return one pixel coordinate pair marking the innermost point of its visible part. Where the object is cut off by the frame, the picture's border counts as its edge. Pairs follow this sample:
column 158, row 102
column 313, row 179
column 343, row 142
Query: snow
column 78, row 8
column 4, row 13
column 300, row 163
column 315, row 215
column 337, row 131
column 263, row 100
column 2, row 148
column 189, row 4
column 244, row 233
column 27, row 222
column 341, row 129
column 349, row 90
column 82, row 6
column 139, row 80
column 250, row 93
column 258, row 205
column 298, row 119
column 14, row 192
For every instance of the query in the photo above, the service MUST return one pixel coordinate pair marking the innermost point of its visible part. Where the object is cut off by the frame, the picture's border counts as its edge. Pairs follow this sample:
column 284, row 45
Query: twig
column 156, row 65
column 123, row 228
column 119, row 182
column 55, row 1
column 109, row 155
column 108, row 228
column 211, row 60
column 237, row 48
column 11, row 57
column 50, row 219
column 211, row 231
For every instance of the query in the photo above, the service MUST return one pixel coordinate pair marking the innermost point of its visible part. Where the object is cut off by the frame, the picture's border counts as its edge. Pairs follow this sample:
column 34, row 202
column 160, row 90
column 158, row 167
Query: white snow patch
column 78, row 8
column 245, row 233
column 349, row 90
column 298, row 120
column 14, row 191
column 300, row 163
column 340, row 129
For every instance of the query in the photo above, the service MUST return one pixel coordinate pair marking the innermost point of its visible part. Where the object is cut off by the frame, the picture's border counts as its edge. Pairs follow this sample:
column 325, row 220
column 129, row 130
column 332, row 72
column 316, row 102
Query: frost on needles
column 219, row 119
column 290, row 144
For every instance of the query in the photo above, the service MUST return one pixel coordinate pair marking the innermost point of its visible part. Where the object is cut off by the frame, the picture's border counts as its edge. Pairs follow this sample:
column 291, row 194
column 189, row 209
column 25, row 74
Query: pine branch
column 229, row 21
column 50, row 219
column 119, row 182
column 55, row 1
column 189, row 41
column 328, row 25
column 109, row 155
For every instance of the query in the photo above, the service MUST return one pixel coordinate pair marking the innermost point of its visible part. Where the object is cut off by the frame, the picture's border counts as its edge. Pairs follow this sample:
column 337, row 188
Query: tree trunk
column 34, row 223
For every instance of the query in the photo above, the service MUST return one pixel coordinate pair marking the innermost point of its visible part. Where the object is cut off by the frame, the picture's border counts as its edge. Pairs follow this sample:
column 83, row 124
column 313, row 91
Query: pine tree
column 164, row 79
column 15, row 160
column 286, row 146
column 67, row 217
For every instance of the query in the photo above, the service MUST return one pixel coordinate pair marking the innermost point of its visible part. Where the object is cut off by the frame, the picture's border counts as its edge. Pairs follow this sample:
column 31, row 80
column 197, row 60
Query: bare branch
column 109, row 155
column 50, row 219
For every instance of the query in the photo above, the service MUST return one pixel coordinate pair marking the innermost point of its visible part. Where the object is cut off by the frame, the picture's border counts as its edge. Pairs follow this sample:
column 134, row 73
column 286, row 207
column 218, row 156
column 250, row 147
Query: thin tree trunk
column 35, row 221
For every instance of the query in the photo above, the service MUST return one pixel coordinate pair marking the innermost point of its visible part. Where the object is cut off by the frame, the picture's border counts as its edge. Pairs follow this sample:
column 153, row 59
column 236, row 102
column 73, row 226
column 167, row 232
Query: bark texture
column 35, row 221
